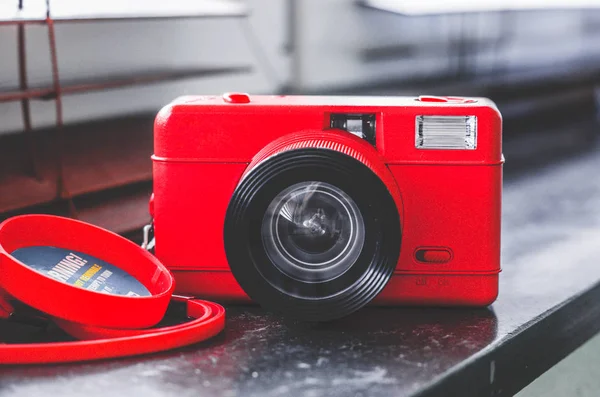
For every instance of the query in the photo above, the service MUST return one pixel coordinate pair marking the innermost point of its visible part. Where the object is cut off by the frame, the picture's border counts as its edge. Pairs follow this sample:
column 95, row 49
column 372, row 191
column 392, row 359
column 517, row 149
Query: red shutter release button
column 431, row 98
column 236, row 97
column 446, row 99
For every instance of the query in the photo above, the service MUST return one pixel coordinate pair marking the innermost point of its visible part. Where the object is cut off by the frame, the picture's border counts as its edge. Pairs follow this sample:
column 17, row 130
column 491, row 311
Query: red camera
column 316, row 206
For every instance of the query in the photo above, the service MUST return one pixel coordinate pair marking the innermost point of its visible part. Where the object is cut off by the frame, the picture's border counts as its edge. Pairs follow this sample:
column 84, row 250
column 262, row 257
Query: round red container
column 72, row 303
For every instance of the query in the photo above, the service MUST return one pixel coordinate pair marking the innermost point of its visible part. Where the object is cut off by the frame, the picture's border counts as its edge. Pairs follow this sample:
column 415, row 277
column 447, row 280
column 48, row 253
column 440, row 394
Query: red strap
column 6, row 309
column 103, row 343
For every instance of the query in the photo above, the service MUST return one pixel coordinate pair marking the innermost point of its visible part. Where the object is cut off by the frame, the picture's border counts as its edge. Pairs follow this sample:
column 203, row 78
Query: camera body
column 414, row 182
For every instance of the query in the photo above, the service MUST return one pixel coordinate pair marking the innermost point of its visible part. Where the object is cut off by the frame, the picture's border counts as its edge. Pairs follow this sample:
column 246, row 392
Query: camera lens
column 313, row 231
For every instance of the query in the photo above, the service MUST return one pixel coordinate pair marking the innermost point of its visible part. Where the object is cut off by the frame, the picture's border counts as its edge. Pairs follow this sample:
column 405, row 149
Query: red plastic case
column 449, row 201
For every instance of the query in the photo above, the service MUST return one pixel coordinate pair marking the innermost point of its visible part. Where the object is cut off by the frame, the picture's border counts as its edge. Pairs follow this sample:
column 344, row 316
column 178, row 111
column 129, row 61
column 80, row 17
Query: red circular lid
column 81, row 273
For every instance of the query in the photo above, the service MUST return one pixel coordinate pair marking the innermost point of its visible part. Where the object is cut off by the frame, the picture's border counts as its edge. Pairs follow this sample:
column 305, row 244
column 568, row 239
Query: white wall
column 104, row 48
column 336, row 29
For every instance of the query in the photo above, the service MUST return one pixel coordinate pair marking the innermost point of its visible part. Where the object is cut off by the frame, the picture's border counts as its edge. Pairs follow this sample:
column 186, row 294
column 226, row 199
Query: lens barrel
column 312, row 233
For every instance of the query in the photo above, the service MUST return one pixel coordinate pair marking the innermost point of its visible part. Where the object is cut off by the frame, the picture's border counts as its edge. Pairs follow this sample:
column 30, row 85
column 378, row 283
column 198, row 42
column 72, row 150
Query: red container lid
column 61, row 266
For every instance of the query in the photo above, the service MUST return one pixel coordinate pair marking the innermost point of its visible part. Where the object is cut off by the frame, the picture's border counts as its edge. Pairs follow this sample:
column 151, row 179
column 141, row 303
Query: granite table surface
column 549, row 304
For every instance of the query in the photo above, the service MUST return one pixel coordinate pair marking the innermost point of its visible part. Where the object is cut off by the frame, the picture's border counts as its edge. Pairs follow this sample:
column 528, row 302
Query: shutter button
column 236, row 97
column 445, row 99
column 431, row 98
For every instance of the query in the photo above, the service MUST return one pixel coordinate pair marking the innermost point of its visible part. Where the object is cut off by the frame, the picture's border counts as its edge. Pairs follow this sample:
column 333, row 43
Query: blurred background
column 117, row 63
column 79, row 90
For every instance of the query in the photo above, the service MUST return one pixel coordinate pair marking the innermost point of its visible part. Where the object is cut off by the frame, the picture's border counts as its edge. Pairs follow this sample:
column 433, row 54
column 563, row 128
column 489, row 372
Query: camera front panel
column 204, row 148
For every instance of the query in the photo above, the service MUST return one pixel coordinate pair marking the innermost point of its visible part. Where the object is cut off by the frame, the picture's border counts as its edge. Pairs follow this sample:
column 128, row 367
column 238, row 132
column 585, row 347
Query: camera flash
column 446, row 132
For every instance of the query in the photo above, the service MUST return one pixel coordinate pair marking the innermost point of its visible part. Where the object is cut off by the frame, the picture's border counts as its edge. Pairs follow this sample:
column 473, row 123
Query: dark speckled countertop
column 548, row 306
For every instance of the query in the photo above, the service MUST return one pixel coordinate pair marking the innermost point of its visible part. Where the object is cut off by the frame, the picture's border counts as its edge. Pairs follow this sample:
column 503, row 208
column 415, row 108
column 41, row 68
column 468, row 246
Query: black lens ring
column 363, row 281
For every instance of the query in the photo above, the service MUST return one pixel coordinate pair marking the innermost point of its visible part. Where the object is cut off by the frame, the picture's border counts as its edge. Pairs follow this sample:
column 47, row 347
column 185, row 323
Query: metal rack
column 44, row 180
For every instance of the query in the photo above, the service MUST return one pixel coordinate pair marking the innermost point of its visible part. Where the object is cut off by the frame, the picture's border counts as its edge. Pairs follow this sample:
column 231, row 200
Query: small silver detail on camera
column 148, row 241
column 355, row 126
column 446, row 132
